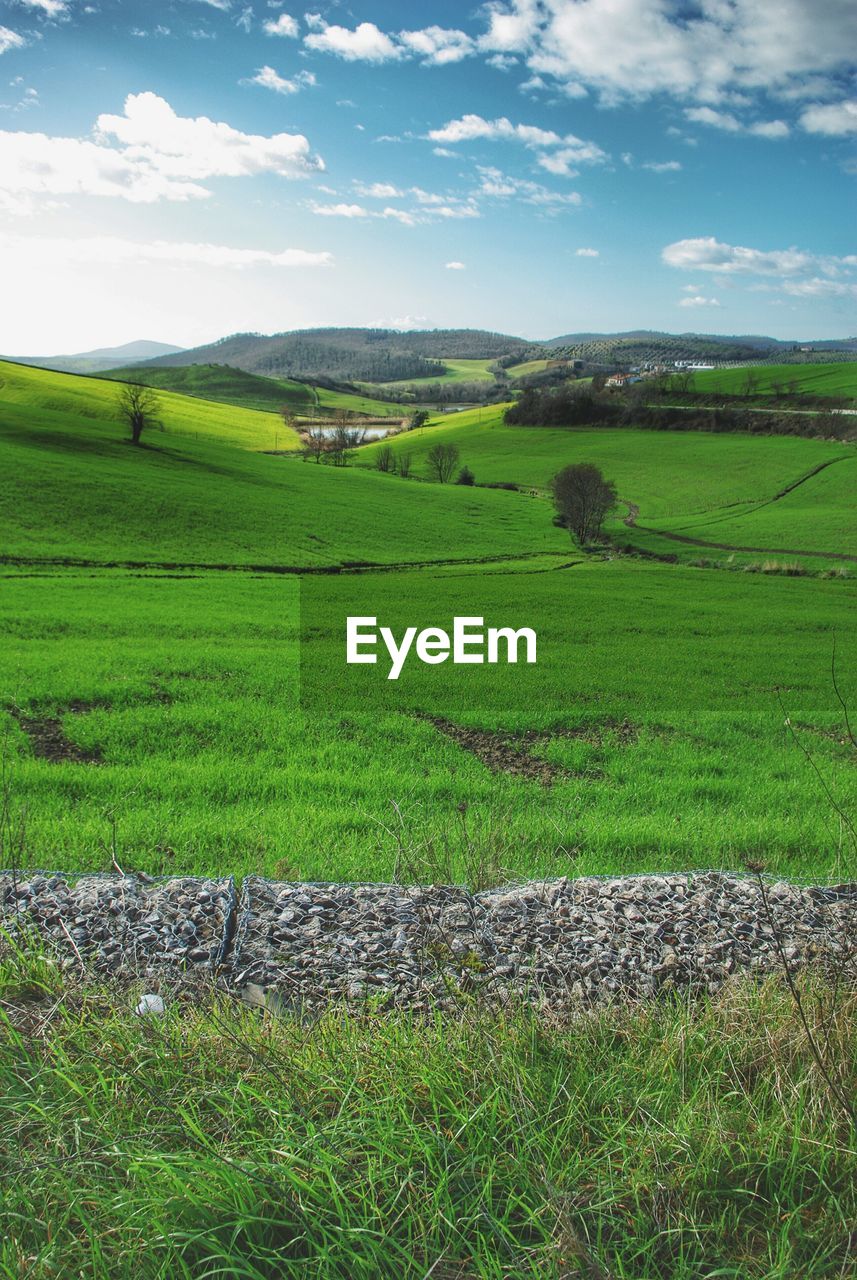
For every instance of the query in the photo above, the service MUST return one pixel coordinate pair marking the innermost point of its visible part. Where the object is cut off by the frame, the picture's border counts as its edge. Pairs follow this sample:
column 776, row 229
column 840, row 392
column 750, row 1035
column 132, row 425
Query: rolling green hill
column 353, row 355
column 235, row 386
column 838, row 379
column 67, row 403
column 670, row 476
column 72, row 487
column 816, row 514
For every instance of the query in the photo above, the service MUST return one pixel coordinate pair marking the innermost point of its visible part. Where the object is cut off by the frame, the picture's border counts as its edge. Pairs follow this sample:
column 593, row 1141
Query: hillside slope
column 353, row 355
column 823, row 379
column 235, row 386
column 72, row 488
column 68, row 402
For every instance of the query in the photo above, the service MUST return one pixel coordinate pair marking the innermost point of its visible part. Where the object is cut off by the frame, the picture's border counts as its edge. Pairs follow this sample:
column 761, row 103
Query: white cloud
column 430, row 208
column 698, row 301
column 769, row 129
column 663, row 166
column 455, row 211
column 10, row 40
column 435, row 46
column 731, row 124
column 587, row 253
column 445, row 153
column 498, row 185
column 818, row 287
column 268, row 78
column 115, row 251
column 438, row 45
column 285, row 25
column 574, row 152
column 795, row 272
column 501, row 61
column 197, row 147
column 223, row 5
column 470, row 127
column 52, row 8
column 398, row 215
column 34, row 164
column 511, row 27
column 365, row 44
column 455, row 266
column 836, row 119
column 403, row 322
column 341, row 210
column 707, row 52
column 704, row 253
column 378, row 190
column 160, row 156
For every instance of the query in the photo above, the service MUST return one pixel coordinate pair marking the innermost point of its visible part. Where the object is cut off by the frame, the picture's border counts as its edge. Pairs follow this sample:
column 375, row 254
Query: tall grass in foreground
column 680, row 1141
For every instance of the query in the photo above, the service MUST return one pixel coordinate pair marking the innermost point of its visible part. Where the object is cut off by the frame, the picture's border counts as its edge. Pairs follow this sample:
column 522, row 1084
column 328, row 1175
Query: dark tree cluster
column 568, row 405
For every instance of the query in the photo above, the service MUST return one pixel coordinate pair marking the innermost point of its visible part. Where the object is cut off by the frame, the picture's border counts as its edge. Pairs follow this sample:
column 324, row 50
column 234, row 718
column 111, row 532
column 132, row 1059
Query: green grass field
column 713, row 487
column 527, row 367
column 233, row 386
column 836, row 379
column 817, row 514
column 684, row 717
column 73, row 488
column 456, row 371
column 70, row 404
column 208, row 753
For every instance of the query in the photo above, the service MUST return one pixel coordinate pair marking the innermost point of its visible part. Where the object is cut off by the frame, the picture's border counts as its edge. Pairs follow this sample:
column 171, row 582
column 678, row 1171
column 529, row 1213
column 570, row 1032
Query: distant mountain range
column 385, row 355
column 353, row 355
column 102, row 358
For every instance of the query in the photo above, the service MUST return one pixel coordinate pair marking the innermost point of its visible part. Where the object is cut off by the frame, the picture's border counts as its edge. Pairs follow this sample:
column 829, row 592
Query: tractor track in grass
column 346, row 567
column 630, row 520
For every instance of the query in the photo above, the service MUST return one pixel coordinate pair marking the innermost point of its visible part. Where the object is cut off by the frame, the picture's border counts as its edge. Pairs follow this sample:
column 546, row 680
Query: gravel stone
column 114, row 923
column 560, row 943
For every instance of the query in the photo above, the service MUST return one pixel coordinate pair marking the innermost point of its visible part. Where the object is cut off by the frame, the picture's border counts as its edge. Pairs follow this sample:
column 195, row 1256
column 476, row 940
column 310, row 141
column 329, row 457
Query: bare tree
column 137, row 406
column 442, row 460
column 405, row 460
column 314, row 443
column 385, row 459
column 290, row 418
column 343, row 442
column 582, row 498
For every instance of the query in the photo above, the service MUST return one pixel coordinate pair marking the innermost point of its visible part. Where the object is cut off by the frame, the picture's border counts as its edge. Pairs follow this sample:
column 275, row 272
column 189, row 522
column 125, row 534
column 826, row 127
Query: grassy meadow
column 663, row 724
column 833, row 379
column 711, row 487
column 73, row 488
column 664, row 1142
column 454, row 371
column 227, row 385
column 176, row 613
column 67, row 404
column 527, row 367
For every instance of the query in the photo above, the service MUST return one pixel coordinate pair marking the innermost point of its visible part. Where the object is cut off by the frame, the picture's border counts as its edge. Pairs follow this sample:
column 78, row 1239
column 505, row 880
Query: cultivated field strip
column 560, row 943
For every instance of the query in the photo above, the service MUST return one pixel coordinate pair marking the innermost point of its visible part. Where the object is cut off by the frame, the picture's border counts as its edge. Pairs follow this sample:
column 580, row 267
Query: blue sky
column 188, row 169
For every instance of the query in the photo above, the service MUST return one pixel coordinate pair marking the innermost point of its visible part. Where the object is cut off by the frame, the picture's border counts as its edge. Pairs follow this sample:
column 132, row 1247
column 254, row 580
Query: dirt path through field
column 633, row 513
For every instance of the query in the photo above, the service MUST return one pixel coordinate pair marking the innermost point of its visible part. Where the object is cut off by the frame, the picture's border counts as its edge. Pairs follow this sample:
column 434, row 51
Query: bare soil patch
column 512, row 753
column 48, row 738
